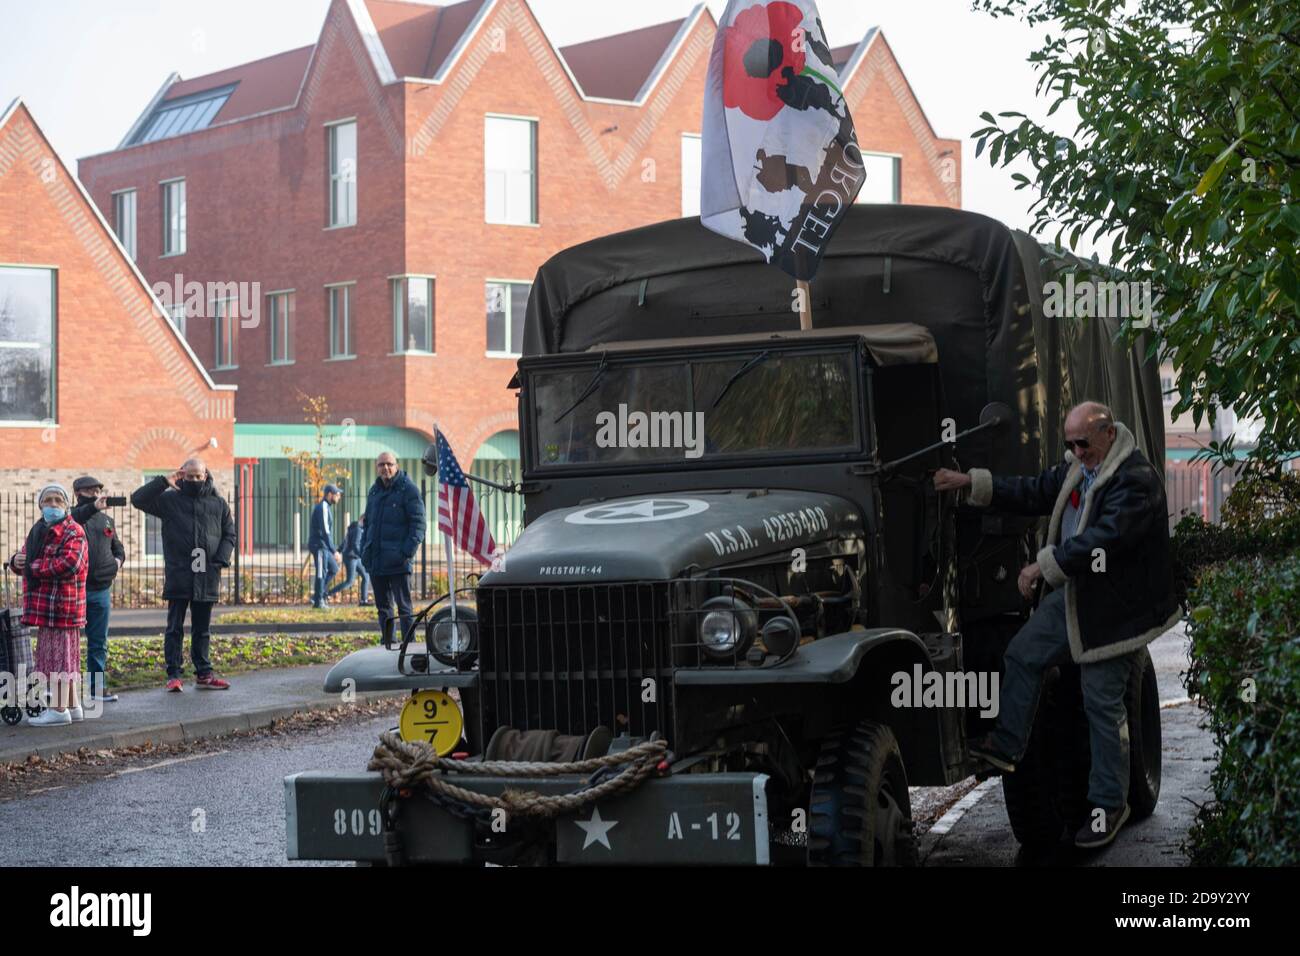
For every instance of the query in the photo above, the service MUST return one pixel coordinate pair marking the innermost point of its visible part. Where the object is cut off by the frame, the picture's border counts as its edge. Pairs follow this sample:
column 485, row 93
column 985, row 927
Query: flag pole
column 805, row 304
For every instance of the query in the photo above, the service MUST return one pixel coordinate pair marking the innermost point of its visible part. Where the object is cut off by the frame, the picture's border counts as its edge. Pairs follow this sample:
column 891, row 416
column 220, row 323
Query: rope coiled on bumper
column 411, row 765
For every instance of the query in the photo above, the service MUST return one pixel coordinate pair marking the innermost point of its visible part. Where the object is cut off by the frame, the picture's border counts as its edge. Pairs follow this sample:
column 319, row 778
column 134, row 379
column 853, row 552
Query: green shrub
column 1245, row 633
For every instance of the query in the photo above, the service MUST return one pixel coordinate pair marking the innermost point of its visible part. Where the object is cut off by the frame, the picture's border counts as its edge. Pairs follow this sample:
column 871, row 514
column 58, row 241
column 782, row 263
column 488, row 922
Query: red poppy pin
column 760, row 48
column 1075, row 498
column 108, row 532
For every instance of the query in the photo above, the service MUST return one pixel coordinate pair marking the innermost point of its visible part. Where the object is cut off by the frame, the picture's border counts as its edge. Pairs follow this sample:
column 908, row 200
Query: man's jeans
column 200, row 638
column 390, row 588
column 97, row 607
column 1042, row 643
column 326, row 567
column 354, row 567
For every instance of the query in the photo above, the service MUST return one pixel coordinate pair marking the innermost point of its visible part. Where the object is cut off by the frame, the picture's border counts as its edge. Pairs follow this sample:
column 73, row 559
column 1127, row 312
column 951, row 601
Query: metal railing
column 271, row 564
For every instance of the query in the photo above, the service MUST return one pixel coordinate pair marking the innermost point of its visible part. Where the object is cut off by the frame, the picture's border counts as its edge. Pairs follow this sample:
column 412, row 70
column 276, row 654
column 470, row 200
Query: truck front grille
column 574, row 657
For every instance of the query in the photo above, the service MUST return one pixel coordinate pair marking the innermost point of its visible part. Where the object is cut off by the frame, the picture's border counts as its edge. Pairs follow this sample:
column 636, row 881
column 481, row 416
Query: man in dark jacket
column 352, row 562
column 320, row 543
column 394, row 528
column 198, row 535
column 106, row 558
column 1107, row 559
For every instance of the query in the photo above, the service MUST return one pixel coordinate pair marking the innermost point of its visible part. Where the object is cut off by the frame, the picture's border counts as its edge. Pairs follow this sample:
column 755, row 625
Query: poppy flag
column 782, row 163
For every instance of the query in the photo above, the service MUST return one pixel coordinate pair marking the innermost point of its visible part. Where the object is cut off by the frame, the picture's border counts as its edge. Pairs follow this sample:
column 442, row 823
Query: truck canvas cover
column 974, row 284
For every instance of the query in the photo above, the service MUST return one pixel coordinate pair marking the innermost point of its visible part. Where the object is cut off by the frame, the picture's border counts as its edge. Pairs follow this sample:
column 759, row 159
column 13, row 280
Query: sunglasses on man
column 1081, row 444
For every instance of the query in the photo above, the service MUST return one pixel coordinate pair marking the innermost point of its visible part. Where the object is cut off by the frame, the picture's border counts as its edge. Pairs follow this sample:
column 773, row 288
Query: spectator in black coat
column 198, row 535
column 106, row 558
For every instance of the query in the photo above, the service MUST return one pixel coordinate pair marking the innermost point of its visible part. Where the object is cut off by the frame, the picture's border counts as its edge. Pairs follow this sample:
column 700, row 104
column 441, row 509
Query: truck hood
column 657, row 538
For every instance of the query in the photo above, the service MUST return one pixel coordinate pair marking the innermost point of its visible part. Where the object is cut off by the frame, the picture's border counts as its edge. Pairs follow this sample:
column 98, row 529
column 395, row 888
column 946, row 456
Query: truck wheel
column 1143, row 704
column 861, row 814
column 1047, row 794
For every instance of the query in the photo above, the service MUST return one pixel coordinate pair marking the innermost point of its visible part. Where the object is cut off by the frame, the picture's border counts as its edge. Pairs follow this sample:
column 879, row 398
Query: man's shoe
column 1089, row 838
column 984, row 750
column 77, row 713
column 51, row 718
column 175, row 686
column 211, row 682
column 107, row 698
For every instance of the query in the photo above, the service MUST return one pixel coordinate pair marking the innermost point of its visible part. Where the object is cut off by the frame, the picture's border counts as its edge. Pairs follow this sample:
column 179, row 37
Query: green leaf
column 1215, row 172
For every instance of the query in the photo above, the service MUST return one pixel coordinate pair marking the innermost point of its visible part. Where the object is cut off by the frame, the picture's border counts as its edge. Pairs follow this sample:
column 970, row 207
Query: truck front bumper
column 698, row 819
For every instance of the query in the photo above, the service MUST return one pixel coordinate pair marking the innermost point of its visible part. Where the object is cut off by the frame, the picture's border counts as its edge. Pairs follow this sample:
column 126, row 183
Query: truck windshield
column 674, row 410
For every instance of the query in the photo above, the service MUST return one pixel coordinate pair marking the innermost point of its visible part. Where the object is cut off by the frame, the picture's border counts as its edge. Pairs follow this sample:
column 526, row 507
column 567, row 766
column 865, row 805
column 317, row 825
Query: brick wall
column 129, row 397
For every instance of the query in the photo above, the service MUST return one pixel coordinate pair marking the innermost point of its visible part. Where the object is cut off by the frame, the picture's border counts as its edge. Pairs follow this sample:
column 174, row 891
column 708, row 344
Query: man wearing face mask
column 1107, row 560
column 198, row 534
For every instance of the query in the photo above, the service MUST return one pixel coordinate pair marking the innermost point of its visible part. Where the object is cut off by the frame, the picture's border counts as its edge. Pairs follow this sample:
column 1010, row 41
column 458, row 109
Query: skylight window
column 183, row 115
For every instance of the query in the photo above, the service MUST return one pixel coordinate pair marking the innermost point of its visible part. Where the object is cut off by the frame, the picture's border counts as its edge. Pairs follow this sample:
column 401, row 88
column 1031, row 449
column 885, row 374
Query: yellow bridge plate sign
column 432, row 716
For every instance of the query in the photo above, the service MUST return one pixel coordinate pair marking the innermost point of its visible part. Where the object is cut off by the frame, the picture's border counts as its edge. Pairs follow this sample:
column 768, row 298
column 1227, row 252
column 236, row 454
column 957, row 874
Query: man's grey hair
column 1099, row 415
column 195, row 461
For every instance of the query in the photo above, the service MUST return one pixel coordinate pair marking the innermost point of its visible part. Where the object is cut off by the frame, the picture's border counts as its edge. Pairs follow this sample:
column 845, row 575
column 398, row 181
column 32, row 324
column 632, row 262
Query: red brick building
column 394, row 187
column 93, row 376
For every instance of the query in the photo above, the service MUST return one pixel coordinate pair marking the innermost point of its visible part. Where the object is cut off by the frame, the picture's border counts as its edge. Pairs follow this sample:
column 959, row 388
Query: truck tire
column 1143, row 704
column 1047, row 795
column 860, row 813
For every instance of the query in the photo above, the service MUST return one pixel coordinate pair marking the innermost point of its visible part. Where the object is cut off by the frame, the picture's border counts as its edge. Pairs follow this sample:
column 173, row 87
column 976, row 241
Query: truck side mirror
column 996, row 415
column 430, row 460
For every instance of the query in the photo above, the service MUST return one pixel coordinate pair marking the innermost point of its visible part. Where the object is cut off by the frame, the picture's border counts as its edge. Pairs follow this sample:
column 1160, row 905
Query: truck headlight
column 727, row 627
column 454, row 643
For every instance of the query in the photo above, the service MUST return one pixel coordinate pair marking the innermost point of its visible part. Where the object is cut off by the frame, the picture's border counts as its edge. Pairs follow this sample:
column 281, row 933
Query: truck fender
column 374, row 669
column 830, row 660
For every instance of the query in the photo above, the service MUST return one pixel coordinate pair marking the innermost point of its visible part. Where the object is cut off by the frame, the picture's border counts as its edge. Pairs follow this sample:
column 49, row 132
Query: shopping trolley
column 16, row 660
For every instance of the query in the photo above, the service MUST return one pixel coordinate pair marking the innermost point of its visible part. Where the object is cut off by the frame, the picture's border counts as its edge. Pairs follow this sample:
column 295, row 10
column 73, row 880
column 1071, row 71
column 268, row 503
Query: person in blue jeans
column 1107, row 559
column 106, row 558
column 352, row 562
column 320, row 542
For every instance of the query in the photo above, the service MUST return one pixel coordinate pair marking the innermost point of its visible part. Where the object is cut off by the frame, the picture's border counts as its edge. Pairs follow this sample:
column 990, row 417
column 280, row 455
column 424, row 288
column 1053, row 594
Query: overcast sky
column 86, row 68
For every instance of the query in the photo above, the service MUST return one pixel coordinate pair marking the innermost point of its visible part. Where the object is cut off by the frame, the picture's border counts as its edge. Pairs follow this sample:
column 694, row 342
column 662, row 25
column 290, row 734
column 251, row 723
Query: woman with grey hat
column 53, row 562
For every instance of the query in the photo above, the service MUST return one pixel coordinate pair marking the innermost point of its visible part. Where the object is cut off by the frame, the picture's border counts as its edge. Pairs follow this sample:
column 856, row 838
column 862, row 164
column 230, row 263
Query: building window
column 340, row 309
column 27, row 312
column 343, row 174
column 692, row 159
column 124, row 220
column 413, row 314
column 176, row 315
column 1169, row 390
column 510, row 171
column 884, row 179
column 224, row 325
column 279, row 311
column 507, row 302
column 173, row 212
column 182, row 115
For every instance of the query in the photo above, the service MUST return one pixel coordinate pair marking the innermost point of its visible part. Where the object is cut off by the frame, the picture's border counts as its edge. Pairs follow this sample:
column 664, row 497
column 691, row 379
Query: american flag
column 458, row 514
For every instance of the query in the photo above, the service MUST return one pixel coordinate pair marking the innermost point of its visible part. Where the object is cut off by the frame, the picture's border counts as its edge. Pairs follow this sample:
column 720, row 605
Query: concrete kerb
column 182, row 732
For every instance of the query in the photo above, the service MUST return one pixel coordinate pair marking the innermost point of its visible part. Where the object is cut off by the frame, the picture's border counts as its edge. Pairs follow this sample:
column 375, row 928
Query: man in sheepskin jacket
column 1107, row 562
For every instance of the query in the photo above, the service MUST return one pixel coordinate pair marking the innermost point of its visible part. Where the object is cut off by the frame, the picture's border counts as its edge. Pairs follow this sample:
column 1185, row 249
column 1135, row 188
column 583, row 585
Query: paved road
column 981, row 836
column 145, row 815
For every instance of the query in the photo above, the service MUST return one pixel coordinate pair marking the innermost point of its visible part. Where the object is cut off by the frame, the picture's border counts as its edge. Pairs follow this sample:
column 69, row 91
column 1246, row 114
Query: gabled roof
column 619, row 67
column 107, row 233
column 421, row 41
column 417, row 37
